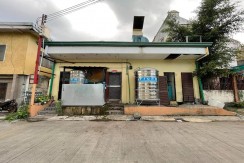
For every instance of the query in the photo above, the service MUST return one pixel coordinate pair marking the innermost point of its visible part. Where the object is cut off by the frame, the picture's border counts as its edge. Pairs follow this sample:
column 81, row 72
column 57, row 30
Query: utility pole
column 40, row 40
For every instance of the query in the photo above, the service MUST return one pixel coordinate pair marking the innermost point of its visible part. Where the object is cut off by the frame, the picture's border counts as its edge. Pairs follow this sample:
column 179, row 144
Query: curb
column 194, row 119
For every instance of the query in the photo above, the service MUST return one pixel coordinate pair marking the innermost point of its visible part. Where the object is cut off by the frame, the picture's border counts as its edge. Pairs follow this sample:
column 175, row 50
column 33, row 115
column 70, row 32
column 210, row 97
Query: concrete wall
column 176, row 66
column 222, row 95
column 20, row 88
column 20, row 56
column 16, row 48
column 219, row 95
column 30, row 59
column 241, row 95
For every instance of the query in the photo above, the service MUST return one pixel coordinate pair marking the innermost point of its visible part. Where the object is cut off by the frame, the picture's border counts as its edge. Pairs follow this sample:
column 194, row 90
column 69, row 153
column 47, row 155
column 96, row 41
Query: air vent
column 172, row 56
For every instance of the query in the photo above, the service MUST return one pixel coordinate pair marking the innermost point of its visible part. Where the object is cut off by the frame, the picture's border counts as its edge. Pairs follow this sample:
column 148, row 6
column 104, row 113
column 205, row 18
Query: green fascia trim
column 238, row 68
column 129, row 44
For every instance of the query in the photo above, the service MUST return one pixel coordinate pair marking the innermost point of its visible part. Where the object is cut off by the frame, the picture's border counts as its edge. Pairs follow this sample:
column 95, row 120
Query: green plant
column 104, row 109
column 58, row 105
column 42, row 99
column 22, row 113
column 216, row 21
column 239, row 104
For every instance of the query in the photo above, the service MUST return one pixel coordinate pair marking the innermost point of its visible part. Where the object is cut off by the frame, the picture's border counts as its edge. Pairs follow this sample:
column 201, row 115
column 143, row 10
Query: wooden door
column 163, row 90
column 187, row 87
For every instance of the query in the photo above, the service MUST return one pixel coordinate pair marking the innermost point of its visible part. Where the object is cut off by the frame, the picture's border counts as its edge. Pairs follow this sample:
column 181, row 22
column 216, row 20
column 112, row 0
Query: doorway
column 187, row 87
column 3, row 90
column 171, row 85
column 113, row 86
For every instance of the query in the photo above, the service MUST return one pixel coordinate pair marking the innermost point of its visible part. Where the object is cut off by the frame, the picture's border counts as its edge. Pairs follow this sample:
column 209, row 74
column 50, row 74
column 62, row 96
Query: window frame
column 4, row 52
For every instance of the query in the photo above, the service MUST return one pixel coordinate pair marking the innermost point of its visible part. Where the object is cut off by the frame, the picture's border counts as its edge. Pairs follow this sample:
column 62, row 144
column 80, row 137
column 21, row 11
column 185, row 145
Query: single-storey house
column 108, row 71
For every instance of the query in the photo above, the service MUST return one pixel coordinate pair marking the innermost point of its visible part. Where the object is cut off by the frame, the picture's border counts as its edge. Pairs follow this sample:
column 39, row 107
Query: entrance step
column 173, row 103
column 37, row 118
column 115, row 112
column 48, row 111
column 115, row 109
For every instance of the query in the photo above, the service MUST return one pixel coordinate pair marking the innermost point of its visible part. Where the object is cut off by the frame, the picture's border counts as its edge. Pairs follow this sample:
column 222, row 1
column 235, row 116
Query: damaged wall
column 222, row 95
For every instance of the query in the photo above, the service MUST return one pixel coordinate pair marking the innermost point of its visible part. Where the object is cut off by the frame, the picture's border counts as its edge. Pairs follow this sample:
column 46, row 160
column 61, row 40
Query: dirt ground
column 121, row 141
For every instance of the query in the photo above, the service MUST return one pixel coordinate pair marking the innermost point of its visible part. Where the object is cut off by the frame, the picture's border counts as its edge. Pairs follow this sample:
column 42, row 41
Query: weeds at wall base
column 22, row 113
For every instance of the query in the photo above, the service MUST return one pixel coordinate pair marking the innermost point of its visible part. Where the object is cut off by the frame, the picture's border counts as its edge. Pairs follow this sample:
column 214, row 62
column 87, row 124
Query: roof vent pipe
column 137, row 35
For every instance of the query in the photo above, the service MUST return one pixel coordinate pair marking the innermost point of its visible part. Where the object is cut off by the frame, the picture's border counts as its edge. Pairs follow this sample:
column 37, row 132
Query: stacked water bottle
column 77, row 77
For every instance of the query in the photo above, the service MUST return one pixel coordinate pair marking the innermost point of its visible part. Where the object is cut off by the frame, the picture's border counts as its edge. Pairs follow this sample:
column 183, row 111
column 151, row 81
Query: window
column 2, row 52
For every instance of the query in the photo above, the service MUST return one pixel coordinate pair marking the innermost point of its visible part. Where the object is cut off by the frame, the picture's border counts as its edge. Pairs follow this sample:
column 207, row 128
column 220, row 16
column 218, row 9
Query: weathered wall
column 219, row 95
column 222, row 95
column 20, row 57
column 176, row 66
column 20, row 88
column 30, row 59
column 43, row 84
column 241, row 94
column 16, row 48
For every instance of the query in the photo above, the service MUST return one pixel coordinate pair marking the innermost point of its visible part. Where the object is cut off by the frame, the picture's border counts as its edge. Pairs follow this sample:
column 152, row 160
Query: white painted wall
column 222, row 95
column 219, row 95
column 241, row 94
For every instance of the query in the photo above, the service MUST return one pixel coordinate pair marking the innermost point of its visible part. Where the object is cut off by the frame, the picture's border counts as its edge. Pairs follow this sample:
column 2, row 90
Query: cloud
column 110, row 20
column 154, row 11
column 63, row 28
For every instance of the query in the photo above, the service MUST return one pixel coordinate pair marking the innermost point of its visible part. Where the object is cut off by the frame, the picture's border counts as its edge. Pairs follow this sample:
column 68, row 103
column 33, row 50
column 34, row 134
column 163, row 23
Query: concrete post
column 13, row 88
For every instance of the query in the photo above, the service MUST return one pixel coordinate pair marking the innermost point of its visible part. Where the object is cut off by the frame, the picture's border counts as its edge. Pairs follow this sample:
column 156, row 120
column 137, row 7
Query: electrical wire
column 71, row 8
column 68, row 10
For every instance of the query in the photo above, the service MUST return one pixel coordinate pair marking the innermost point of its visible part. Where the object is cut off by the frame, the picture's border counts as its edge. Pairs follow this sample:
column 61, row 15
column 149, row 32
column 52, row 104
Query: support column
column 13, row 88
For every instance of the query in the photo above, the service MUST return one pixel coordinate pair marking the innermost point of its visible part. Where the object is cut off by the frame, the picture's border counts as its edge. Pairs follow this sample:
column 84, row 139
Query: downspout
column 199, row 78
column 51, row 82
column 200, row 84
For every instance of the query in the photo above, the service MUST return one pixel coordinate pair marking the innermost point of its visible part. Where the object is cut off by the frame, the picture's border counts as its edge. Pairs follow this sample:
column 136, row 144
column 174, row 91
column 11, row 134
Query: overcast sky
column 109, row 20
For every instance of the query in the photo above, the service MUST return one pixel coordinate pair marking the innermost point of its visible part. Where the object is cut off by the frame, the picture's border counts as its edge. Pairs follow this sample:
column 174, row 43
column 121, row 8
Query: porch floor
column 185, row 109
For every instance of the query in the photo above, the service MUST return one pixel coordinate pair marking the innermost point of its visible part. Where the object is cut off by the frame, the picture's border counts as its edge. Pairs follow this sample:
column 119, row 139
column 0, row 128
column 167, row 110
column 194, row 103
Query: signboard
column 147, row 79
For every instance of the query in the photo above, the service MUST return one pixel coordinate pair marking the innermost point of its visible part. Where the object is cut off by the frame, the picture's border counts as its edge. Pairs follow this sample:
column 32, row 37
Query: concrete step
column 47, row 112
column 173, row 103
column 116, row 108
column 37, row 118
column 50, row 108
column 115, row 112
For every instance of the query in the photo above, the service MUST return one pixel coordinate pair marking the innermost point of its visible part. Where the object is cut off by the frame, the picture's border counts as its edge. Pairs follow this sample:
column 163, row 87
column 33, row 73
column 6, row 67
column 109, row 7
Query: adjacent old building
column 18, row 49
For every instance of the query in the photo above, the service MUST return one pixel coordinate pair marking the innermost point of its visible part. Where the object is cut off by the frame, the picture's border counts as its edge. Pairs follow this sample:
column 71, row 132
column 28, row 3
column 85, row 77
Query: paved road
column 85, row 141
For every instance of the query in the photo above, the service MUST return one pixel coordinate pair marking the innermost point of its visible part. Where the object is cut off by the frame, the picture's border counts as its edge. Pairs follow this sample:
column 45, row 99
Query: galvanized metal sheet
column 83, row 95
